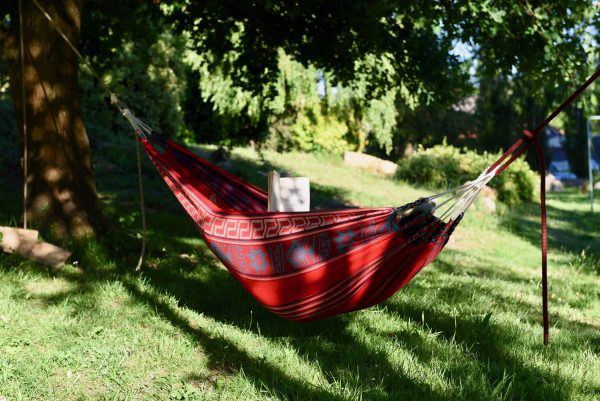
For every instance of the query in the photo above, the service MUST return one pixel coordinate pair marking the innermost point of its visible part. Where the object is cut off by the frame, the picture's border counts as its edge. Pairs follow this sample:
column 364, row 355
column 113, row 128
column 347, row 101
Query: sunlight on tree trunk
column 61, row 185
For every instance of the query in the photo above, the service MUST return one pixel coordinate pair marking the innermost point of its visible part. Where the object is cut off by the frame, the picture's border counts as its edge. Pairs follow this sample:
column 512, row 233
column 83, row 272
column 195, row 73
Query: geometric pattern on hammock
column 322, row 282
column 301, row 265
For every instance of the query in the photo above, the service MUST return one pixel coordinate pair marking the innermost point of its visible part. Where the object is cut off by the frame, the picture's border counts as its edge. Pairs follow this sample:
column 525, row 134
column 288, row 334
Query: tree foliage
column 138, row 57
column 394, row 56
column 332, row 35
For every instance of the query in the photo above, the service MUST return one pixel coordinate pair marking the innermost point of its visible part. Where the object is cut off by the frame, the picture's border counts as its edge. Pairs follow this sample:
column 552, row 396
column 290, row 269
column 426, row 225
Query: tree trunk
column 62, row 197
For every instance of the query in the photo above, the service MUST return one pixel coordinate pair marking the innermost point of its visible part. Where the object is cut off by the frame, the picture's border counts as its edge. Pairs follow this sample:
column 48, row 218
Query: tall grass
column 467, row 328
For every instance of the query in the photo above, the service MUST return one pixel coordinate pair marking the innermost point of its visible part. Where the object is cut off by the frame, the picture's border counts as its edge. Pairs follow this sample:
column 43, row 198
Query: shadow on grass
column 326, row 342
column 490, row 346
column 199, row 283
column 321, row 197
column 211, row 291
column 478, row 266
column 569, row 230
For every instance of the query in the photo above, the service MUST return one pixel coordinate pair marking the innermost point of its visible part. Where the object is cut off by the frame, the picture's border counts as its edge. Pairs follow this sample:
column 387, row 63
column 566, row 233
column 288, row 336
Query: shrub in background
column 309, row 131
column 444, row 167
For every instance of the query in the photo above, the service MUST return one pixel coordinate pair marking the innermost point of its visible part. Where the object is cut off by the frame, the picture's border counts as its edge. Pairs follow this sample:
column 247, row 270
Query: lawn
column 466, row 328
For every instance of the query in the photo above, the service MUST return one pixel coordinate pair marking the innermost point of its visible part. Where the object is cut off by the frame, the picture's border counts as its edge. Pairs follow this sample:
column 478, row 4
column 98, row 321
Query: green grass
column 466, row 328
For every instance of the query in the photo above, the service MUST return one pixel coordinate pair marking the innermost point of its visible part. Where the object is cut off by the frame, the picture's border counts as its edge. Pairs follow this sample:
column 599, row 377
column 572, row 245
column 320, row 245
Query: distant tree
column 393, row 50
column 575, row 120
column 380, row 50
column 136, row 54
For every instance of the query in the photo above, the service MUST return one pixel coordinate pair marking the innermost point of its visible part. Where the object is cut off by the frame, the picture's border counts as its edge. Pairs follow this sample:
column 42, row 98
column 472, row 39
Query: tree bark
column 61, row 186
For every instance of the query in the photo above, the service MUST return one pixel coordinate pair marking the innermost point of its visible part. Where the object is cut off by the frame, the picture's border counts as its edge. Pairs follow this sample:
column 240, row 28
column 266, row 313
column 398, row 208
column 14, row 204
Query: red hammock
column 310, row 265
column 301, row 265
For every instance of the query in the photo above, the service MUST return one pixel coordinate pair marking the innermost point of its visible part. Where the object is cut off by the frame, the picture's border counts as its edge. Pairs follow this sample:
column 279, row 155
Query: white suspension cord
column 459, row 198
column 24, row 114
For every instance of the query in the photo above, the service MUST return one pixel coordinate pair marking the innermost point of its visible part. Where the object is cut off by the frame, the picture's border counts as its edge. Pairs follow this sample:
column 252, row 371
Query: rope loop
column 530, row 136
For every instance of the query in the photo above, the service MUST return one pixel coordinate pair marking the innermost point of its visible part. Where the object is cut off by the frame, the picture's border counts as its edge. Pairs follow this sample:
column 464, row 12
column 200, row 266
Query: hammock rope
column 24, row 106
column 378, row 250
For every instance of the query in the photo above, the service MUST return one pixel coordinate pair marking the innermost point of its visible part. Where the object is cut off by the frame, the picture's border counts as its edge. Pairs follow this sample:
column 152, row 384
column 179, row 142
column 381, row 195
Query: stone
column 550, row 178
column 26, row 244
column 371, row 163
column 489, row 192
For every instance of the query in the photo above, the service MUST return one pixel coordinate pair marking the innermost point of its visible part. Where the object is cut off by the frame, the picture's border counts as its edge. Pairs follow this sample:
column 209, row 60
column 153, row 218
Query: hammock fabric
column 306, row 265
column 311, row 265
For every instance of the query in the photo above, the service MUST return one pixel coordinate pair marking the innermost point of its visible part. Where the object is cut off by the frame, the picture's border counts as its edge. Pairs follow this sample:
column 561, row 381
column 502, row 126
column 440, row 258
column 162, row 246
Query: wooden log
column 26, row 244
column 11, row 237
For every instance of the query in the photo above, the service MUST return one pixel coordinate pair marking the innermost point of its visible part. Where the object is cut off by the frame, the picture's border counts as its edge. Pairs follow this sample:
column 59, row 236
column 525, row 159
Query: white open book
column 288, row 194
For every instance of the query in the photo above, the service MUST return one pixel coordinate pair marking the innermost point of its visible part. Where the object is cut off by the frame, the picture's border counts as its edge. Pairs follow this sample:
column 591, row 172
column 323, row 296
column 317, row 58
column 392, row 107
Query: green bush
column 443, row 167
column 309, row 131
